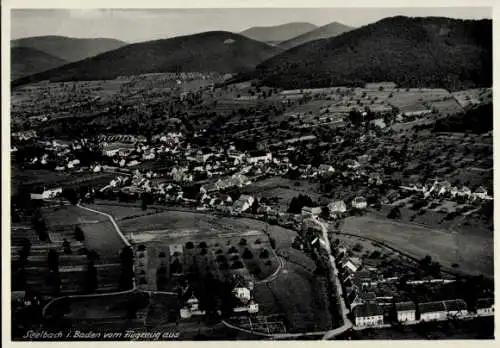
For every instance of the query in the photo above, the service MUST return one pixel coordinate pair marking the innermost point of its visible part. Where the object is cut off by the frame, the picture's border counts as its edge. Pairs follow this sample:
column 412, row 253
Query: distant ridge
column 68, row 48
column 413, row 52
column 217, row 51
column 27, row 61
column 278, row 33
column 326, row 31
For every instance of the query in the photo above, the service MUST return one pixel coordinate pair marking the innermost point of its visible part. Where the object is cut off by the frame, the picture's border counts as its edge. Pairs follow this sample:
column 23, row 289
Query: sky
column 135, row 25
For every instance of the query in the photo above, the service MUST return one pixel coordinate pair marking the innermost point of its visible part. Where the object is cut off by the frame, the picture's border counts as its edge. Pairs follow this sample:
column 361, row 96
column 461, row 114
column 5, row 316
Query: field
column 291, row 291
column 61, row 222
column 472, row 251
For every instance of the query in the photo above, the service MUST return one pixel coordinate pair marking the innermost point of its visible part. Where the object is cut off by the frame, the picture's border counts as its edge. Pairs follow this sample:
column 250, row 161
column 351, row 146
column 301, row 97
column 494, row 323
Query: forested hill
column 413, row 52
column 216, row 51
column 27, row 61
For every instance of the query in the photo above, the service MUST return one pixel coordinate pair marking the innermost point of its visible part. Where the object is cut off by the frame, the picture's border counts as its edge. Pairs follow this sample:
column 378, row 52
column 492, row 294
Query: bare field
column 472, row 251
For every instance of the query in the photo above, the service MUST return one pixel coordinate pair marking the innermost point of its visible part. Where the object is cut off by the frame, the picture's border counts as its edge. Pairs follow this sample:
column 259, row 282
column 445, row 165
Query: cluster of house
column 242, row 292
column 375, row 300
column 336, row 208
column 444, row 188
column 60, row 153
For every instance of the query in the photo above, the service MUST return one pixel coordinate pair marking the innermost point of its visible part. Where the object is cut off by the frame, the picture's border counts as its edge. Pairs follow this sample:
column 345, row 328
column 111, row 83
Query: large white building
column 259, row 156
column 368, row 314
column 406, row 311
column 432, row 311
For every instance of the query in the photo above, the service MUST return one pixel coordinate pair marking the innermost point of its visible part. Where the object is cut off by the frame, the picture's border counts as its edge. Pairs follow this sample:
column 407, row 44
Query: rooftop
column 485, row 302
column 429, row 307
column 367, row 310
column 405, row 306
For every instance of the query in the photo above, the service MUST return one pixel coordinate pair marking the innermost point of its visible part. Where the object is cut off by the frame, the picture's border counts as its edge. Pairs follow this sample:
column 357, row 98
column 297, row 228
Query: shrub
column 189, row 245
column 243, row 242
column 232, row 250
column 247, row 254
column 162, row 255
column 221, row 258
column 202, row 245
column 258, row 241
column 264, row 254
column 357, row 247
column 237, row 265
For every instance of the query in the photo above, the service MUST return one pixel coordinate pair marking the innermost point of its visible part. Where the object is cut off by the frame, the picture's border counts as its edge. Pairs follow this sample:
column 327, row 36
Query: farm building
column 432, row 311
column 406, row 311
column 485, row 306
column 368, row 314
column 311, row 211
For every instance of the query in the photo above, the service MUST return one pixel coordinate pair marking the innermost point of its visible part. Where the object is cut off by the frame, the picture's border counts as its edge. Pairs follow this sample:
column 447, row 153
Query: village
column 226, row 203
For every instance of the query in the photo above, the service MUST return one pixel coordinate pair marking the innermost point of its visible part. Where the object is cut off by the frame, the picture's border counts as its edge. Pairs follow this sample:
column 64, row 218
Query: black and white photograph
column 258, row 173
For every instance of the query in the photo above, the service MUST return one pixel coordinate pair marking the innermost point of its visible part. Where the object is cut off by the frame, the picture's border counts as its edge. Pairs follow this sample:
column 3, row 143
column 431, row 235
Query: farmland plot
column 472, row 251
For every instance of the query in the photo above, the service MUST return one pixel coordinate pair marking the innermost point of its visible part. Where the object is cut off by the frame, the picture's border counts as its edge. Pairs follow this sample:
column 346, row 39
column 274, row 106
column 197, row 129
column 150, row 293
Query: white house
column 192, row 307
column 259, row 156
column 481, row 193
column 406, row 311
column 432, row 311
column 359, row 203
column 352, row 264
column 243, row 203
column 485, row 306
column 245, row 302
column 368, row 314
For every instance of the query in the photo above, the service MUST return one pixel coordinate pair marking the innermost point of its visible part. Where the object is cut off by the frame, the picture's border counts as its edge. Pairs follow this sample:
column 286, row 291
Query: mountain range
column 413, row 52
column 278, row 33
column 215, row 51
column 323, row 32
